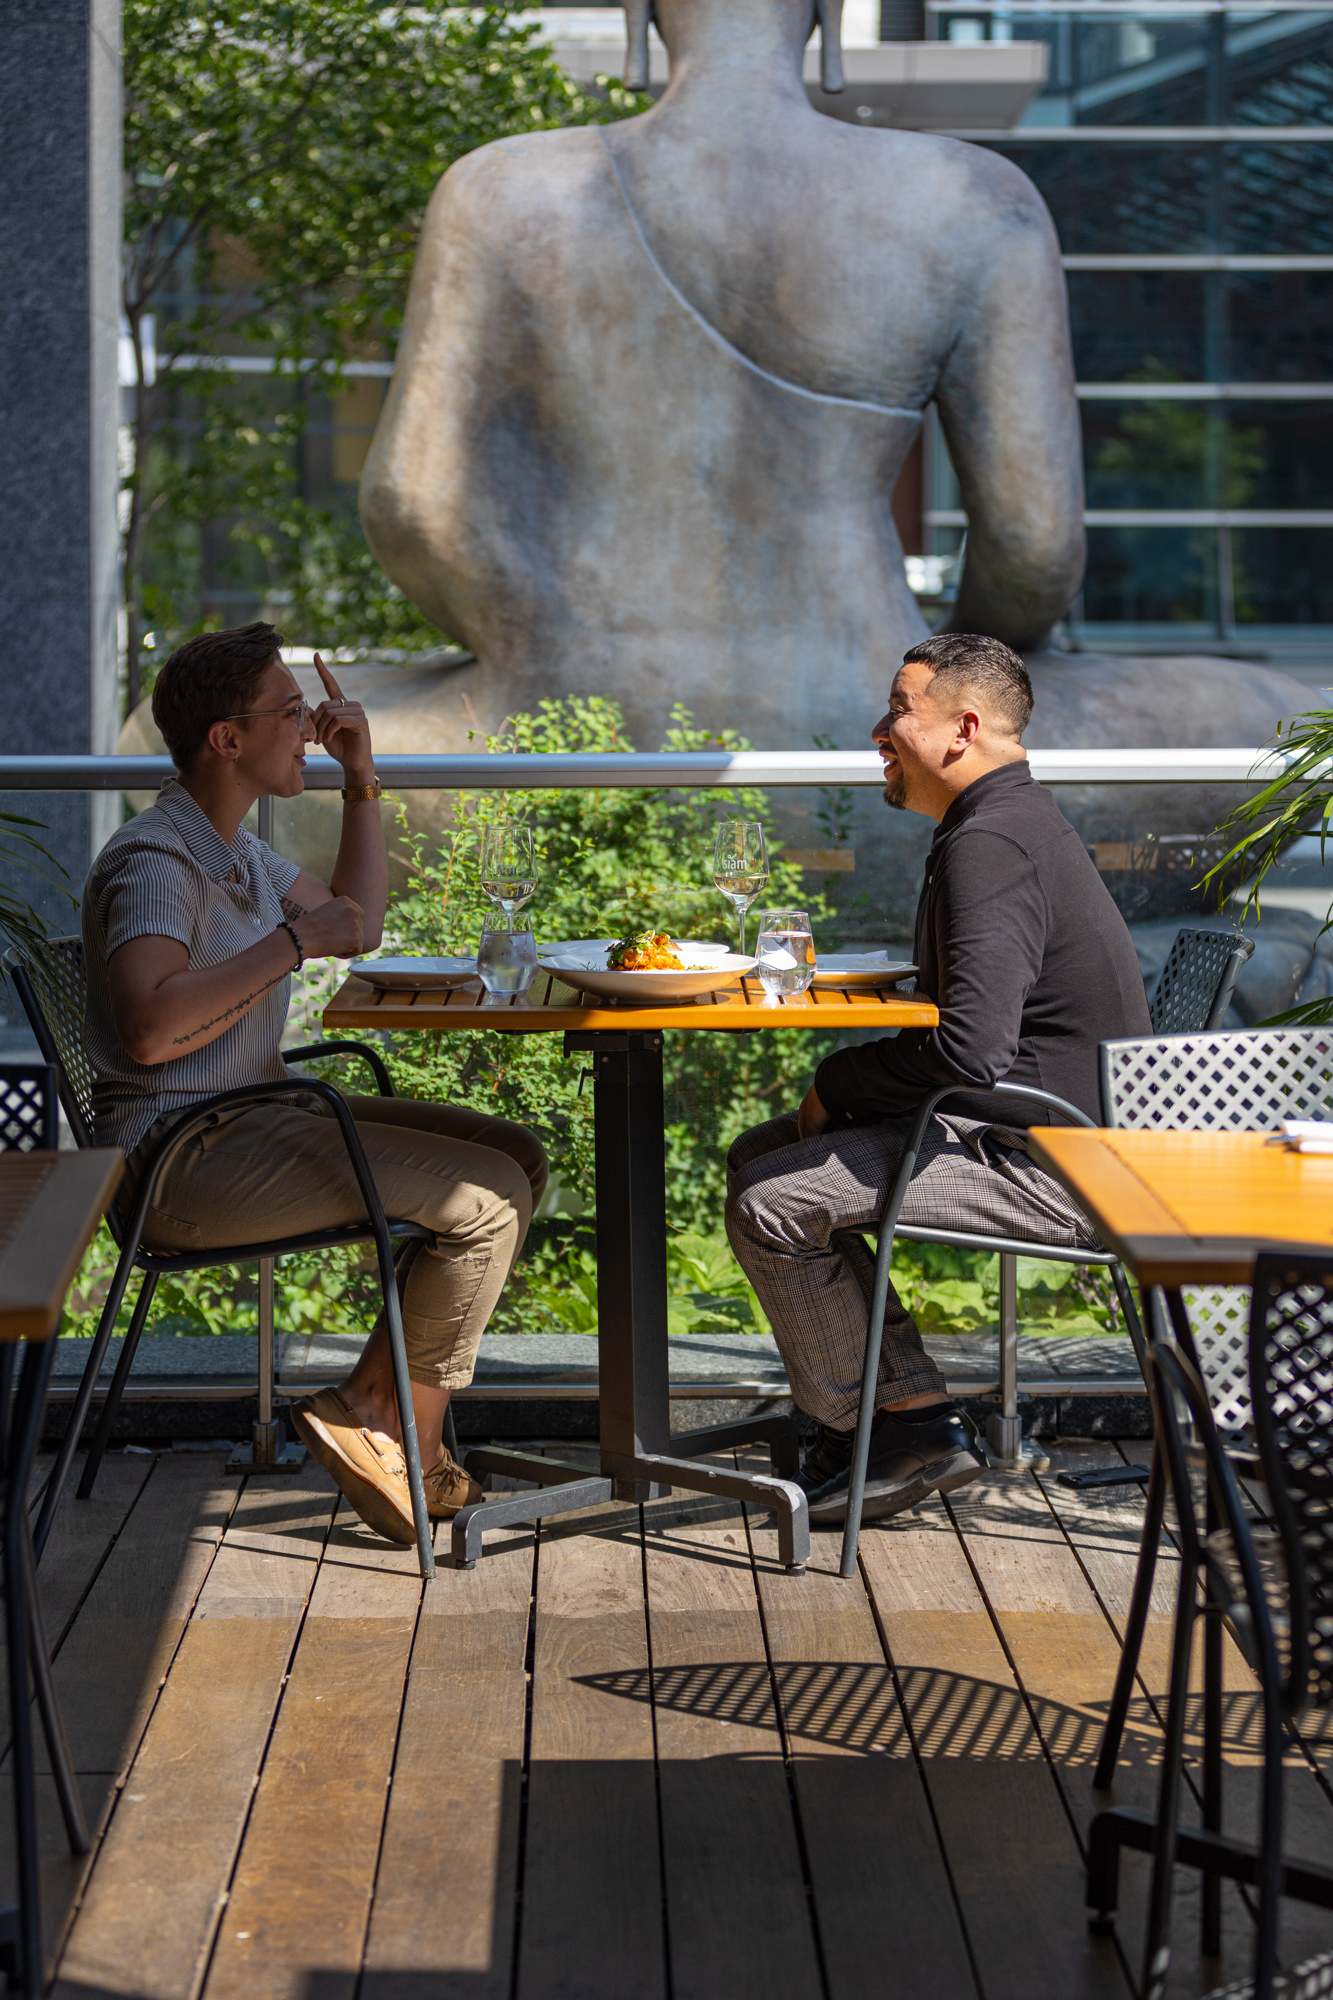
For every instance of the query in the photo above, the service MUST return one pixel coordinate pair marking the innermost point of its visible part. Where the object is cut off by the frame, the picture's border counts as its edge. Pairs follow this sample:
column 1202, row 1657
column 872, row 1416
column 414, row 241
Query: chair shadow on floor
column 857, row 1707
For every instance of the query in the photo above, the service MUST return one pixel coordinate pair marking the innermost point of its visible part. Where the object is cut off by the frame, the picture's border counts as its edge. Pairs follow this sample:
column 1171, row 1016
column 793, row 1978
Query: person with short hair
column 192, row 929
column 1030, row 965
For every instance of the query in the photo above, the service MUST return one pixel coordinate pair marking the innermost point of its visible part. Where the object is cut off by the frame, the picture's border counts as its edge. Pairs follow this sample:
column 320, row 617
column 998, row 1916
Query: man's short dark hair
column 968, row 663
column 208, row 679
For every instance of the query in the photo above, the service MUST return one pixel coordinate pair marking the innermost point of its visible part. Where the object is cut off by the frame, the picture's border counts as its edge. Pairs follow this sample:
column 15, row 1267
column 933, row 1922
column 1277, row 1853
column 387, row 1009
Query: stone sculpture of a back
column 658, row 380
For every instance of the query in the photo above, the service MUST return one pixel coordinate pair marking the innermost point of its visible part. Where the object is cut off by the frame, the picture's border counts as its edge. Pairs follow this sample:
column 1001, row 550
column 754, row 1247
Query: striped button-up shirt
column 169, row 873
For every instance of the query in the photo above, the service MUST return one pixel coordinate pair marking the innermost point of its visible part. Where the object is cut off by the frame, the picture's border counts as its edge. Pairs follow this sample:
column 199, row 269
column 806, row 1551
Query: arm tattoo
column 291, row 908
column 229, row 1012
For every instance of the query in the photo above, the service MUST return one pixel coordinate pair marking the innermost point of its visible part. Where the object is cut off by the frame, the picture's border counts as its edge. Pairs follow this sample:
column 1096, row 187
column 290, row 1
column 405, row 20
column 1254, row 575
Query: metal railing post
column 269, row 1450
column 1004, row 1432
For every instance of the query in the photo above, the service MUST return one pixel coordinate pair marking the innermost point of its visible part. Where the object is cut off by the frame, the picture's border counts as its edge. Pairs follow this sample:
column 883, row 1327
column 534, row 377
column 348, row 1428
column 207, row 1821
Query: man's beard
column 895, row 791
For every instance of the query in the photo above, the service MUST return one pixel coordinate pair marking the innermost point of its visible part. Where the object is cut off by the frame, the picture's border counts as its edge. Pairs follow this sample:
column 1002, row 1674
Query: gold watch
column 353, row 793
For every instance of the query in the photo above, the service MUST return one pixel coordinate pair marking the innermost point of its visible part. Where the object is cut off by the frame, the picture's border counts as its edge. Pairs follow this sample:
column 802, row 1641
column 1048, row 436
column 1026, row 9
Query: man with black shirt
column 1031, row 966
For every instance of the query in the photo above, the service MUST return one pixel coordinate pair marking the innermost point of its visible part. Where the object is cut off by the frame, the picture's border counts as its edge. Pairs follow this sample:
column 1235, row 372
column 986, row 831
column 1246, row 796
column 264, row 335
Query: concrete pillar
column 60, row 217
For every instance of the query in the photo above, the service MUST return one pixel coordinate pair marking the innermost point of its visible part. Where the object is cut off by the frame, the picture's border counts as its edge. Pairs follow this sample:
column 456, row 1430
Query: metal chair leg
column 92, row 1369
column 1270, row 1848
column 866, row 1414
column 1210, row 1911
column 111, row 1407
column 48, row 1707
column 450, row 1434
column 1157, row 1948
column 407, row 1423
column 1135, row 1626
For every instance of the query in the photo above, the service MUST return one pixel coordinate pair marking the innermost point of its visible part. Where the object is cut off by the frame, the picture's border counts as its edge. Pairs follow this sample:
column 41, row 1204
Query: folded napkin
column 1305, row 1135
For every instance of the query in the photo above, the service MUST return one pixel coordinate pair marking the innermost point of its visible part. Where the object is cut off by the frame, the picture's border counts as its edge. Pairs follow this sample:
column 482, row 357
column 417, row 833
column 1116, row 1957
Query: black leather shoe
column 907, row 1461
column 827, row 1453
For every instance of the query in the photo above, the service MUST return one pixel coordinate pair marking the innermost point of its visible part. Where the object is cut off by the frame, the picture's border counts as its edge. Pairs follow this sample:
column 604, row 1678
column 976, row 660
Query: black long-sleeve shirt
column 1025, row 955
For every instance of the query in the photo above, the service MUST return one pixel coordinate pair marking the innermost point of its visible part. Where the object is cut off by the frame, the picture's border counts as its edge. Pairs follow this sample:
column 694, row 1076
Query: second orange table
column 1193, row 1208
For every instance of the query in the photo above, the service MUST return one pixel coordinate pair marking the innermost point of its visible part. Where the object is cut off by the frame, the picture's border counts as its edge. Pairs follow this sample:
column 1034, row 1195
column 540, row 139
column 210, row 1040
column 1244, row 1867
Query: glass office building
column 1186, row 154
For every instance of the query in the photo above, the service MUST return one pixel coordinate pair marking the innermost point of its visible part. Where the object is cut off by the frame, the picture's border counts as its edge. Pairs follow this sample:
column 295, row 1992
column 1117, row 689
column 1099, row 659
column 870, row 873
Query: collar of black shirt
column 1004, row 778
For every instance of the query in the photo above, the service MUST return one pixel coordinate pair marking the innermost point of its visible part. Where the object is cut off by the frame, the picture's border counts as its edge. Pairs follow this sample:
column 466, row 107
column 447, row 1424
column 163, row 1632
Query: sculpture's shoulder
column 934, row 184
column 517, row 189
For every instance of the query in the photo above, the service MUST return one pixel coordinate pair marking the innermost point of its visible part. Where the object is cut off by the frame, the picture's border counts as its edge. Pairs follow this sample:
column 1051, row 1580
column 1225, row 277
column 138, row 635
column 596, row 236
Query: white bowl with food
column 415, row 975
column 648, row 967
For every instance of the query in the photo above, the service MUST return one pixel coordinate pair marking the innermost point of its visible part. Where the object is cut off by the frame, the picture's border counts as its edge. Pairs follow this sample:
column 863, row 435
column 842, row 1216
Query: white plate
column 859, row 968
column 586, row 970
column 414, row 974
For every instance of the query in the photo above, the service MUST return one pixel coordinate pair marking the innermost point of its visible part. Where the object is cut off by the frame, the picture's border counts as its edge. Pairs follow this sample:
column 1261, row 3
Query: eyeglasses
column 296, row 711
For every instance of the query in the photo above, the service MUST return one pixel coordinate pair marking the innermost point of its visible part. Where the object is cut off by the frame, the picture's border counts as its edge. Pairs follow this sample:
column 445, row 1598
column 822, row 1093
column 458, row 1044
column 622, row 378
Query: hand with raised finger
column 342, row 727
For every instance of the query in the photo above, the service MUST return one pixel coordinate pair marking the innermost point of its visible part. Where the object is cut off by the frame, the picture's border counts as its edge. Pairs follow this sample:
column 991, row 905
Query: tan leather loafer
column 372, row 1476
column 448, row 1488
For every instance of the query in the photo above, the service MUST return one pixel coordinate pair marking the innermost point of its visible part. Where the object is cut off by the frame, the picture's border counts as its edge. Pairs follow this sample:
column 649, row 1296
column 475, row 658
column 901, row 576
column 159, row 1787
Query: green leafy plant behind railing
column 20, row 852
column 1262, row 827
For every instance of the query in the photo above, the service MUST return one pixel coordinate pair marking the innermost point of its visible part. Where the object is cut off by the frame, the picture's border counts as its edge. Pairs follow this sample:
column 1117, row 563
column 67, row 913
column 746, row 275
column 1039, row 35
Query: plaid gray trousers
column 795, row 1210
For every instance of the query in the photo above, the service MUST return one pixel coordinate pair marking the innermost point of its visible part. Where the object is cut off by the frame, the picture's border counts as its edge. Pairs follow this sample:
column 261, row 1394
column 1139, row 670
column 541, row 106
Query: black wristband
column 283, row 925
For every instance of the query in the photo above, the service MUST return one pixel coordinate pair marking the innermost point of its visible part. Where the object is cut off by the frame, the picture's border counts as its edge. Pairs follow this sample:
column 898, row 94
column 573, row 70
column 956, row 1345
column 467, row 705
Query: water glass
column 507, row 957
column 785, row 950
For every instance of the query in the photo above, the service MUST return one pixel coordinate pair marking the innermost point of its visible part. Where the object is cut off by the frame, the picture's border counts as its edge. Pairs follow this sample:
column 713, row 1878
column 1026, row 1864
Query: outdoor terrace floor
column 621, row 1765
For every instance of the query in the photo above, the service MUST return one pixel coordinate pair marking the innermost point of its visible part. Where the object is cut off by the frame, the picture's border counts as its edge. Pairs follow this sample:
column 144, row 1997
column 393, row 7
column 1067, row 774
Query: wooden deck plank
column 721, row 1767
column 442, row 1926
column 1308, row 1828
column 115, row 1657
column 143, row 1930
column 114, row 1660
column 1015, row 1862
column 1065, row 1652
column 297, row 1914
column 591, row 1892
column 869, row 1835
column 81, row 1534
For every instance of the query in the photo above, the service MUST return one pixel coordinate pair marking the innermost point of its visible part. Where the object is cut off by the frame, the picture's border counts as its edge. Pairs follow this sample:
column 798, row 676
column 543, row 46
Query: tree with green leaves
column 279, row 155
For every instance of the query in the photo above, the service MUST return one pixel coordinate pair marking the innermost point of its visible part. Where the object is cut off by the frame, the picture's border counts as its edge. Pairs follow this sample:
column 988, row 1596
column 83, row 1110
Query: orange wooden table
column 1193, row 1208
column 548, row 1006
column 640, row 1459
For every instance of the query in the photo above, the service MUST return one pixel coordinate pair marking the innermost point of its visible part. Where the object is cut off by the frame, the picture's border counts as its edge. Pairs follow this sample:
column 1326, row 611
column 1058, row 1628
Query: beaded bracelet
column 283, row 925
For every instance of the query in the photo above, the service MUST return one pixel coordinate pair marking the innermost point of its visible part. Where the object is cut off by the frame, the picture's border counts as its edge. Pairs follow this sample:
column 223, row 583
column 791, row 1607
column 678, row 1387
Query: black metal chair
column 1248, row 1080
column 50, row 983
column 1196, row 983
column 29, row 1122
column 1194, row 990
column 1280, row 1612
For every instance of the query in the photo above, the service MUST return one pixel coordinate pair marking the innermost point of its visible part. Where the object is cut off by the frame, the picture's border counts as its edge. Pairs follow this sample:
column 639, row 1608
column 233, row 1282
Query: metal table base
column 638, row 1457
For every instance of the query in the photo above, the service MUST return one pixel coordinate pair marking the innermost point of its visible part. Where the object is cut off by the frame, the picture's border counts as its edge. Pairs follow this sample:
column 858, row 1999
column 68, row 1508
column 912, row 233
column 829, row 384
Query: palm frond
column 1299, row 800
column 23, row 925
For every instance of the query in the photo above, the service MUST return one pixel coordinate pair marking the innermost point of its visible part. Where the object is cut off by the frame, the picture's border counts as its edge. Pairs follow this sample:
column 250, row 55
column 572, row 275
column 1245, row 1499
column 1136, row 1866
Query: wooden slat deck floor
column 634, row 1764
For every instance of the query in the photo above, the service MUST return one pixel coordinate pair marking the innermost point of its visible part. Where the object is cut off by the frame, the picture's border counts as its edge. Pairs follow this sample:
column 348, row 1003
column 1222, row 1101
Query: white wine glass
column 740, row 868
column 508, row 865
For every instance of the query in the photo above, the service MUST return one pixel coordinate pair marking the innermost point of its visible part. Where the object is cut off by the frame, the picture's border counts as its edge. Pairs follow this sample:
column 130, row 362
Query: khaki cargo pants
column 280, row 1170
